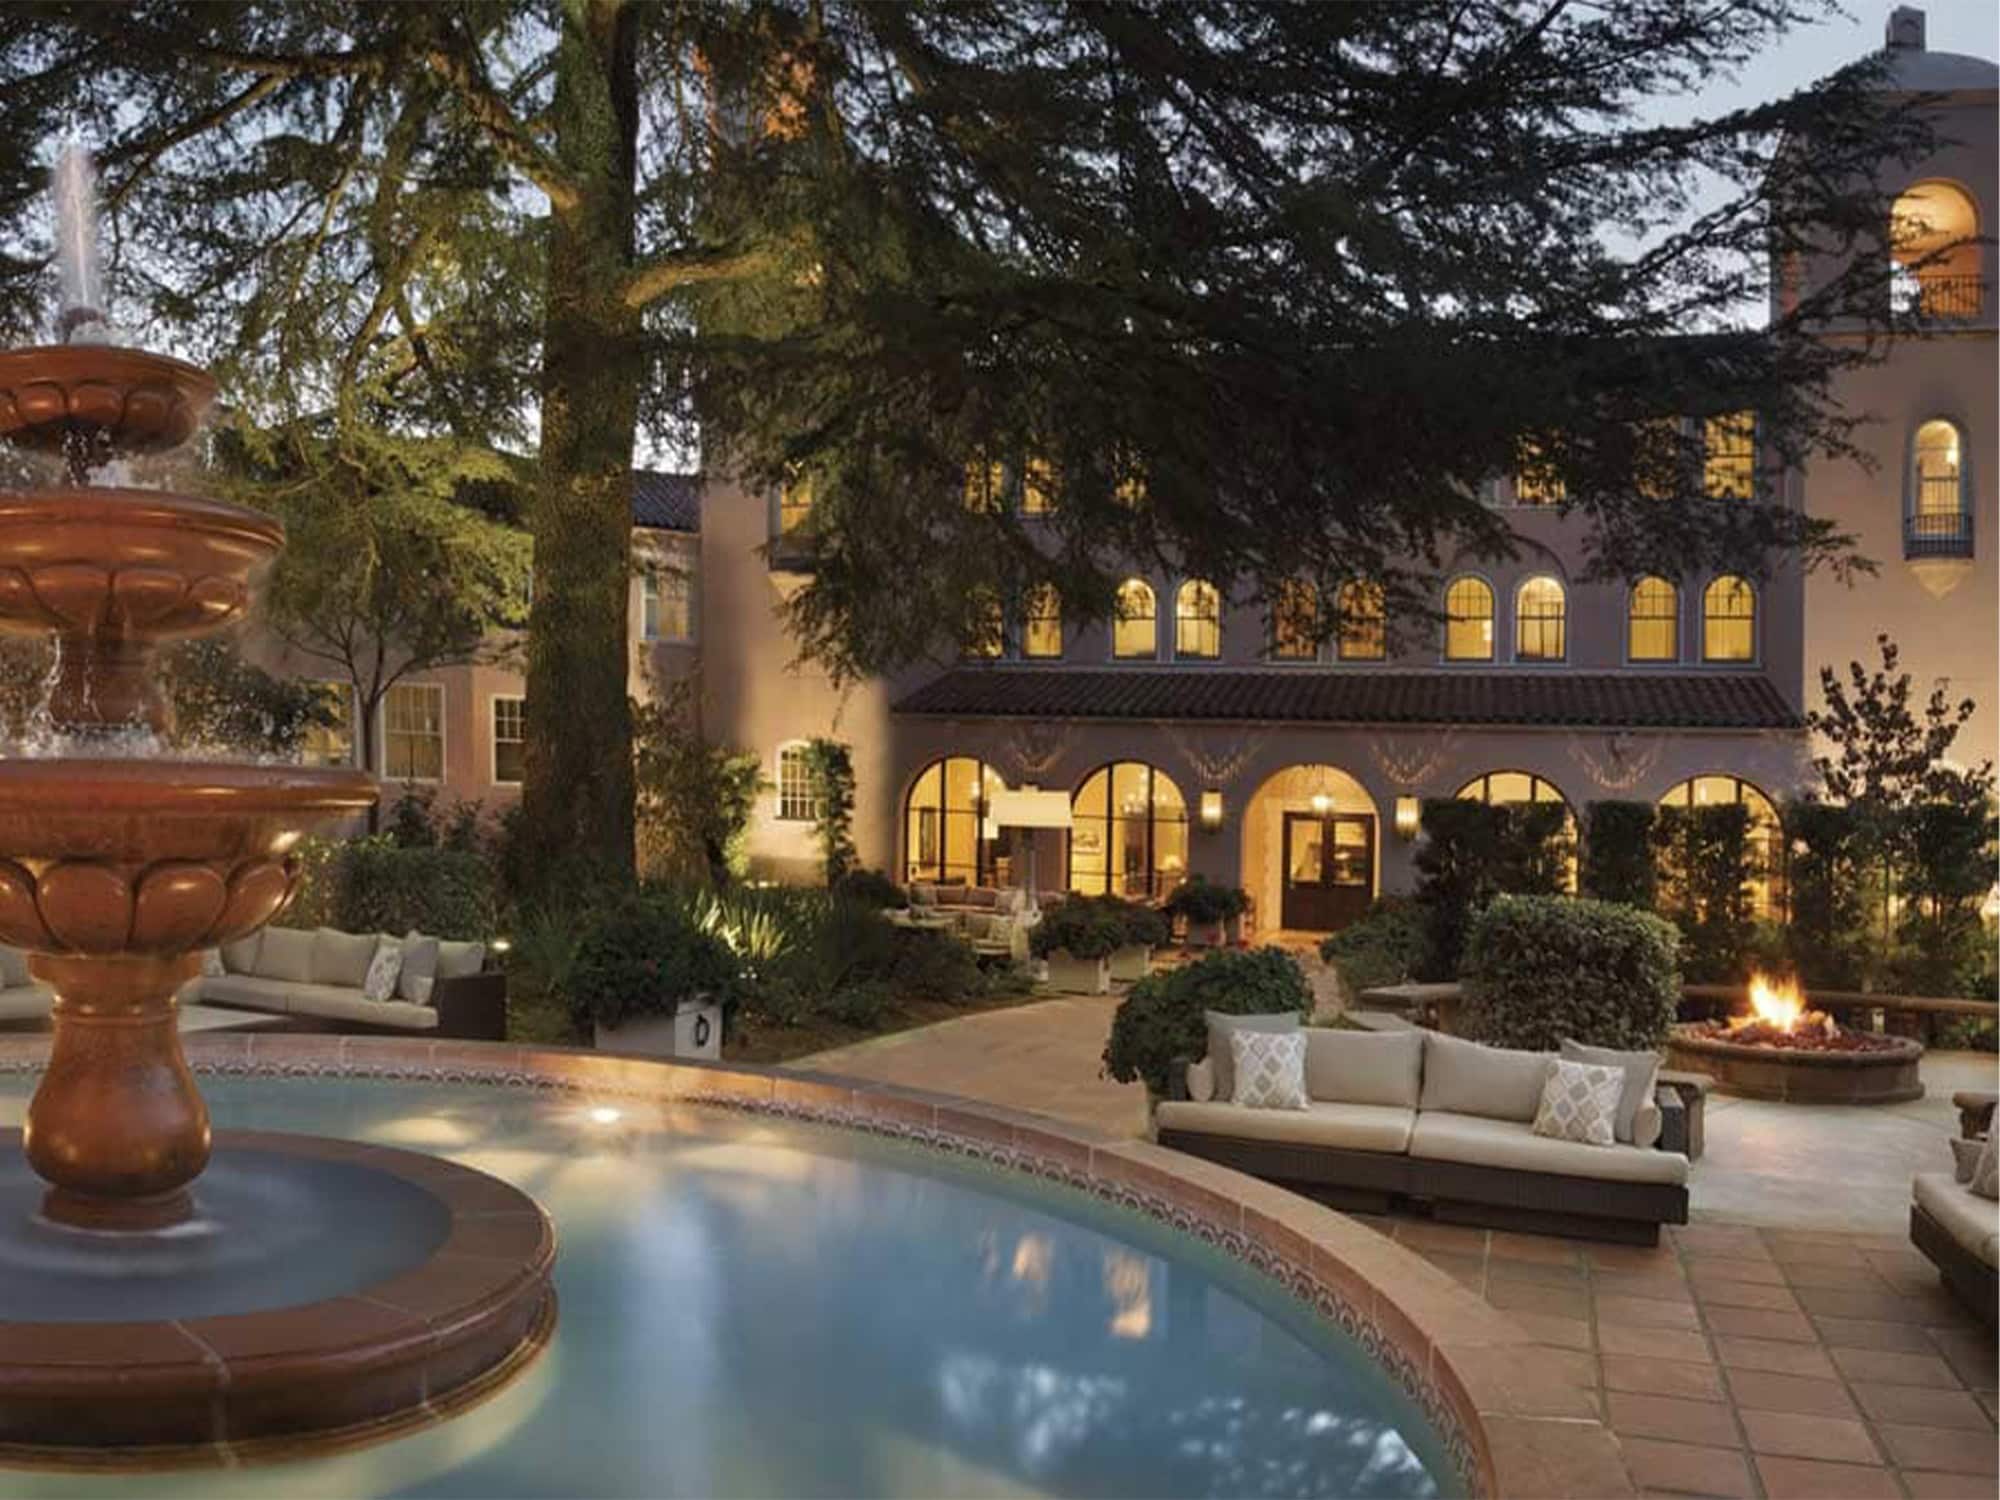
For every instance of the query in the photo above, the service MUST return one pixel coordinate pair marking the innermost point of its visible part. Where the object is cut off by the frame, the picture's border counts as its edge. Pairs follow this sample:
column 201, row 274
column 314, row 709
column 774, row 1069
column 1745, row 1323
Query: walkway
column 1787, row 1343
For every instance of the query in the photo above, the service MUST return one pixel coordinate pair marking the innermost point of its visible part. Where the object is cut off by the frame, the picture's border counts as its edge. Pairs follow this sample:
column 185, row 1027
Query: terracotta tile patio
column 1731, row 1360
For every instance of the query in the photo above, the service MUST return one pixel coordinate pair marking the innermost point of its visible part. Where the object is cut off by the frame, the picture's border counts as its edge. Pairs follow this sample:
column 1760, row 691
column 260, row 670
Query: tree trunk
column 365, row 710
column 578, row 792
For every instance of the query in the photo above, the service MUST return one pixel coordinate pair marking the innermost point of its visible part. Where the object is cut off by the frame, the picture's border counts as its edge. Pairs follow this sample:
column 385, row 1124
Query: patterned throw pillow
column 1580, row 1102
column 1270, row 1069
column 1986, row 1174
column 384, row 969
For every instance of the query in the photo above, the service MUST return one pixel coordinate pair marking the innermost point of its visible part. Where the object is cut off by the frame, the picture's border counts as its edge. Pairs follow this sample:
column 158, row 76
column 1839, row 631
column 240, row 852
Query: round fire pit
column 1857, row 1067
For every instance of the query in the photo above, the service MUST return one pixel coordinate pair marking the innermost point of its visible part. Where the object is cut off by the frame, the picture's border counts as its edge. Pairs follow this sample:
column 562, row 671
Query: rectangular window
column 795, row 502
column 1655, row 621
column 331, row 744
column 1729, row 456
column 413, row 732
column 795, row 798
column 510, row 740
column 666, row 603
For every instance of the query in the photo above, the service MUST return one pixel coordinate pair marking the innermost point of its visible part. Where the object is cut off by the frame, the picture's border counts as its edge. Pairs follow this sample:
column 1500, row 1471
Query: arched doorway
column 1311, row 849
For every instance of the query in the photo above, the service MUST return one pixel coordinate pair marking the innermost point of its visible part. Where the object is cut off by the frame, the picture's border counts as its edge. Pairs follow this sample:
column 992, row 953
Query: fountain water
column 116, row 870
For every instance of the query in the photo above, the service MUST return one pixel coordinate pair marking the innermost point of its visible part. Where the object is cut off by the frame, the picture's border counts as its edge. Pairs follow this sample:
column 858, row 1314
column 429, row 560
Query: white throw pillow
column 384, row 969
column 1986, row 1172
column 1200, row 1082
column 211, row 963
column 1580, row 1103
column 420, row 959
column 1269, row 1068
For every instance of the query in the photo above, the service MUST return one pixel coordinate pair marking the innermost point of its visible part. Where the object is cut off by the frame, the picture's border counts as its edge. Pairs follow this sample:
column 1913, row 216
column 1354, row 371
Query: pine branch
column 509, row 136
column 656, row 278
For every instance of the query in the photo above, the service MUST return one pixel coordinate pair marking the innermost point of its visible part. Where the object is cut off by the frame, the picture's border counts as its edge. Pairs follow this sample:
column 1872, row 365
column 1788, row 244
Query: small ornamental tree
column 1826, row 938
column 695, row 799
column 830, row 775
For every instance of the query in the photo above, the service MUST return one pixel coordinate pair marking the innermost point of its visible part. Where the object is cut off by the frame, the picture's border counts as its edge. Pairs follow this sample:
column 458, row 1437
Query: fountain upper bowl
column 134, row 400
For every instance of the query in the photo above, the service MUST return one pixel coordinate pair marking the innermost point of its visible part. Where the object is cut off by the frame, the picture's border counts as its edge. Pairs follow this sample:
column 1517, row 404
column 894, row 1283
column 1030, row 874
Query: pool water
column 753, row 1306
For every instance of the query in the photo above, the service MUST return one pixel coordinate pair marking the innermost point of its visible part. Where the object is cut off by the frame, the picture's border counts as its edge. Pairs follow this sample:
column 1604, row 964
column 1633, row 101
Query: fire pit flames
column 1779, row 1017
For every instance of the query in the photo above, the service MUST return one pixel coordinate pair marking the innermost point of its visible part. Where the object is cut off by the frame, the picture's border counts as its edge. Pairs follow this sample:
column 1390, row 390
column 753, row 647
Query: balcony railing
column 1939, row 534
column 1943, row 297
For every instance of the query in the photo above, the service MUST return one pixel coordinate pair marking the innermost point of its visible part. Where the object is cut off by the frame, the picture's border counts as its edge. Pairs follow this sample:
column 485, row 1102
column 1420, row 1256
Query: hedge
column 371, row 885
column 1541, row 968
column 1473, row 851
column 1618, row 863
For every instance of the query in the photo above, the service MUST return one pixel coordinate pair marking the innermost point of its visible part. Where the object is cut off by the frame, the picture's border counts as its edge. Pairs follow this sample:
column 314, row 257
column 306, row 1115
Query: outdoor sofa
column 320, row 976
column 993, row 920
column 1957, row 1229
column 1409, row 1115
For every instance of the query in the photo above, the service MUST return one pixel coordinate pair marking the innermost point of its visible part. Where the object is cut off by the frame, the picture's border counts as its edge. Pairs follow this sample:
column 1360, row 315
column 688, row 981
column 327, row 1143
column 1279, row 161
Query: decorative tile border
column 1509, row 1423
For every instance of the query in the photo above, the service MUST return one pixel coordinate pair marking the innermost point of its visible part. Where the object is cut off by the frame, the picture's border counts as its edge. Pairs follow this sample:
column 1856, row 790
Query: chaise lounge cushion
column 1365, row 1067
column 1475, row 1140
column 1971, row 1220
column 1496, row 1083
column 1347, row 1127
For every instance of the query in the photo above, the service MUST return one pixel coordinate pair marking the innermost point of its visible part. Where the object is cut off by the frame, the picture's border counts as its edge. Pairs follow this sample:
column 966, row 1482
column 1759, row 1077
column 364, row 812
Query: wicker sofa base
column 1969, row 1278
column 1495, row 1197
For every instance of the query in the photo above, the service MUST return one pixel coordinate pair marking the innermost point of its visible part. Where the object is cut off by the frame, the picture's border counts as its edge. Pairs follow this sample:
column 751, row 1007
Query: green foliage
column 694, row 799
column 1160, row 1018
column 380, row 887
column 221, row 701
column 1079, row 927
column 1826, row 885
column 314, row 897
column 1966, row 1034
column 1391, row 945
column 936, row 966
column 1540, row 968
column 871, row 888
column 1705, row 868
column 637, row 957
column 830, row 773
column 1473, row 851
column 1198, row 899
column 1943, row 944
column 1618, row 862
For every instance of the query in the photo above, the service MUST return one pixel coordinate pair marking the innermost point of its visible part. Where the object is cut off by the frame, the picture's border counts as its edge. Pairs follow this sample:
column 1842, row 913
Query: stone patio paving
column 1788, row 1343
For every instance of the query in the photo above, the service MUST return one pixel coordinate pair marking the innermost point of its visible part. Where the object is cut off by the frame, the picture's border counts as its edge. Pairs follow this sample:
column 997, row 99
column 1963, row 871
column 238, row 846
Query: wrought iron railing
column 1932, row 296
column 1938, row 534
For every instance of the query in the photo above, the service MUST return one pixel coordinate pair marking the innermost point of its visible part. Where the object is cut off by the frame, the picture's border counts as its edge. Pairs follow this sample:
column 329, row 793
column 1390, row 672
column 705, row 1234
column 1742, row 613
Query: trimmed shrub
column 1540, row 968
column 1160, row 1018
column 1198, row 899
column 313, row 897
column 379, row 887
column 1827, row 881
column 1947, row 869
column 1473, row 851
column 1705, row 869
column 1388, row 946
column 870, row 888
column 1080, row 927
column 936, row 966
column 640, row 957
column 1618, row 862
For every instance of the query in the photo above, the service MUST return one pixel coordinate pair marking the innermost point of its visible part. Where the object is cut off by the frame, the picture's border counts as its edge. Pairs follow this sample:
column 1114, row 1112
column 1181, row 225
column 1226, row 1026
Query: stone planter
column 1206, row 934
column 1079, row 976
column 1131, row 963
column 694, row 1030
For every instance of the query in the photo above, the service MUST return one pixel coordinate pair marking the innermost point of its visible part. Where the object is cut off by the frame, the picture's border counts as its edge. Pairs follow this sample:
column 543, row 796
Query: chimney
column 1905, row 31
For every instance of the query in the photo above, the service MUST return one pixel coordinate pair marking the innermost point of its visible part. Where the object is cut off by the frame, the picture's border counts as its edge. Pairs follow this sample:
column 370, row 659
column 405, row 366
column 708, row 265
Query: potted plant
column 1207, row 908
column 1077, row 939
column 648, row 981
column 1144, row 930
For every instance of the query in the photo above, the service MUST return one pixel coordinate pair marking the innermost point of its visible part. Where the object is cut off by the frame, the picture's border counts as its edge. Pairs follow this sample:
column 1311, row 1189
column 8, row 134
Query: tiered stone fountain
column 301, row 1285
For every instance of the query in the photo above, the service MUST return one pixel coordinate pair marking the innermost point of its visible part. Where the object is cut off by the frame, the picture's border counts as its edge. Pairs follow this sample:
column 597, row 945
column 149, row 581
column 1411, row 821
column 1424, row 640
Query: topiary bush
column 1540, row 968
column 639, row 957
column 1473, row 851
column 1618, row 862
column 1390, row 945
column 1160, row 1018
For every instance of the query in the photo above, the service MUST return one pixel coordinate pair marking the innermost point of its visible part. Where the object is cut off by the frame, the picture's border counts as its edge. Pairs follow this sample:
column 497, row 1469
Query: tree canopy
column 1259, row 290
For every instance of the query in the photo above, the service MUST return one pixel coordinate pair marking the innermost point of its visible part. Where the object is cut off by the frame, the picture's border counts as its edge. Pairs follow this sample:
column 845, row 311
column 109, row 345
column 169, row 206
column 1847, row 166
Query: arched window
column 1198, row 621
column 1128, row 833
column 1767, row 838
column 1934, row 232
column 1041, row 622
column 1729, row 620
column 1540, row 621
column 1133, row 631
column 944, row 834
column 1729, row 456
column 1295, row 621
column 1939, row 524
column 1653, row 621
column 795, row 797
column 1468, row 619
column 1364, row 632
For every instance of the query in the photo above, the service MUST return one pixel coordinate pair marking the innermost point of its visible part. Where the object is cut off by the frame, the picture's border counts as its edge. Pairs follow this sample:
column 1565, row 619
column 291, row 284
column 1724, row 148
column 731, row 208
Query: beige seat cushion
column 1350, row 1127
column 1968, row 1218
column 1480, row 1142
column 342, row 958
column 285, row 953
column 329, row 1004
column 1364, row 1067
column 1497, row 1083
column 24, row 1002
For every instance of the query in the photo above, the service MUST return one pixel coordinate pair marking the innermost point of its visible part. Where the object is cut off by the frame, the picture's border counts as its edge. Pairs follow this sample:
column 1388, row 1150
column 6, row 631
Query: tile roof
column 1633, row 700
column 666, row 502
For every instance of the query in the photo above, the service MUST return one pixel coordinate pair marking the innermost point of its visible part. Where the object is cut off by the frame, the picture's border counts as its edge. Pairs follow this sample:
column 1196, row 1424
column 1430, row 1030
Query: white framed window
column 413, row 731
column 795, row 794
column 1133, row 630
column 510, row 740
column 666, row 602
column 331, row 744
column 1540, row 621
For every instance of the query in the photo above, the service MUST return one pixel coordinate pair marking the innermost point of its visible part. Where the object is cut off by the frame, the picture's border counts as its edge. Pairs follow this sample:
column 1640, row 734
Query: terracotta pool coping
column 1510, row 1420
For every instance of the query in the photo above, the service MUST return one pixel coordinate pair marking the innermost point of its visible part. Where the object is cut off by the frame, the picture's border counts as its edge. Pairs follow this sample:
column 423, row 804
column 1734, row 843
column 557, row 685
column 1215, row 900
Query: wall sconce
column 1408, row 818
column 1211, row 809
column 1321, row 802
